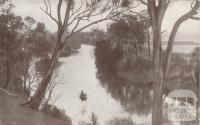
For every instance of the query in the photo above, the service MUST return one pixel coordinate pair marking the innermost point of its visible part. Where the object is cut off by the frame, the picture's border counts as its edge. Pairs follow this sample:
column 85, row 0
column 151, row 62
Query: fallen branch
column 11, row 94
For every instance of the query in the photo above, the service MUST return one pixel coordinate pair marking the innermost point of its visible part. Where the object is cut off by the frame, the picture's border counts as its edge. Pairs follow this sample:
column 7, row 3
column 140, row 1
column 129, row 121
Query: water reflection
column 106, row 100
column 133, row 97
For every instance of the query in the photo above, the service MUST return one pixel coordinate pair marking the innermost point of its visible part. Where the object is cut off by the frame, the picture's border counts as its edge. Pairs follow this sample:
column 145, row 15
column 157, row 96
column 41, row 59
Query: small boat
column 83, row 96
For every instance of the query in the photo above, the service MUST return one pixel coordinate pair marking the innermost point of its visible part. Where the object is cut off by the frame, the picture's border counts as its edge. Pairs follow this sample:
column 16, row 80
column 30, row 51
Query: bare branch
column 83, row 13
column 49, row 6
column 58, row 12
column 162, row 9
column 78, row 21
column 195, row 18
column 163, row 31
column 95, row 22
column 143, row 2
column 49, row 14
column 78, row 9
column 169, row 49
column 193, row 1
column 67, row 14
column 193, row 80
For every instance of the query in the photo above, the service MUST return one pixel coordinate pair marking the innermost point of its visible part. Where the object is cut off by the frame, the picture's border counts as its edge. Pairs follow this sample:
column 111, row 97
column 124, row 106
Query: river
column 78, row 73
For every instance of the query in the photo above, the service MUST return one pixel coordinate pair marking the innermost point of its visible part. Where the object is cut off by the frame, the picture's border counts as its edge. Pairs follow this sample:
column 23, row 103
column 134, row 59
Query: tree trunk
column 198, row 89
column 157, row 11
column 26, row 71
column 157, row 103
column 157, row 15
column 149, row 44
column 197, row 109
column 62, row 36
column 158, row 78
column 40, row 93
column 8, row 70
column 140, row 46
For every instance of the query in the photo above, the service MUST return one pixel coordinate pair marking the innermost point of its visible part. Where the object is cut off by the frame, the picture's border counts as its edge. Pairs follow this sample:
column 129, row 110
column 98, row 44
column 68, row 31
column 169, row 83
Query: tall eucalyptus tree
column 157, row 10
column 75, row 12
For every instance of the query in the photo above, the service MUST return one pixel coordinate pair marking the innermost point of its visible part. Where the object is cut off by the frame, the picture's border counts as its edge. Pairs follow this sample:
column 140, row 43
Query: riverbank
column 12, row 114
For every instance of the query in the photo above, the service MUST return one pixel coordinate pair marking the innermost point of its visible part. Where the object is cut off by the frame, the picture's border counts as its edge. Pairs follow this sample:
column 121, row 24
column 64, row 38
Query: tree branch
column 143, row 2
column 67, row 14
column 49, row 14
column 177, row 24
column 78, row 9
column 193, row 80
column 195, row 18
column 58, row 13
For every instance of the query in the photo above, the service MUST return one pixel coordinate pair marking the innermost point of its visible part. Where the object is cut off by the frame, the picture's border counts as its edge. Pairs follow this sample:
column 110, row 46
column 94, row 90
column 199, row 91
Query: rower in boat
column 83, row 96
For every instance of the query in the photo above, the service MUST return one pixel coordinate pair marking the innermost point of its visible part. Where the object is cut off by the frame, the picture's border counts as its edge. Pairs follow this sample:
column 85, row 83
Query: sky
column 189, row 30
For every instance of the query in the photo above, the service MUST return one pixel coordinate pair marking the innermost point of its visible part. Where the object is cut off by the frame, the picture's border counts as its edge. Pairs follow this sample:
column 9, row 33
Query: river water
column 78, row 73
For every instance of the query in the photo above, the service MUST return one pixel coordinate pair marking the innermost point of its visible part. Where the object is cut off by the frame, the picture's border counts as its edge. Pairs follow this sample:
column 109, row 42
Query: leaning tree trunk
column 40, row 93
column 62, row 36
column 8, row 70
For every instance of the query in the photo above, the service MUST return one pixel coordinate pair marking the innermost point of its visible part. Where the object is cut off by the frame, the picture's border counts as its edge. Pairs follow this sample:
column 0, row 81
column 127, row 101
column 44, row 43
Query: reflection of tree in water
column 120, row 121
column 134, row 97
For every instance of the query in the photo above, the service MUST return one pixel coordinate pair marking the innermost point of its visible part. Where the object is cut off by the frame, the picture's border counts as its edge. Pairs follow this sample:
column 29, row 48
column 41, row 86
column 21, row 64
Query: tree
column 37, row 47
column 86, row 11
column 27, row 48
column 194, row 70
column 3, row 2
column 30, row 22
column 128, row 83
column 130, row 31
column 51, row 87
column 157, row 9
column 11, row 38
column 147, row 28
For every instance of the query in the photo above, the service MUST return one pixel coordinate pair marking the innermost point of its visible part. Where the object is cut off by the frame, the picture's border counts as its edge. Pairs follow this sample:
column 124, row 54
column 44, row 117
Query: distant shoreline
column 183, row 43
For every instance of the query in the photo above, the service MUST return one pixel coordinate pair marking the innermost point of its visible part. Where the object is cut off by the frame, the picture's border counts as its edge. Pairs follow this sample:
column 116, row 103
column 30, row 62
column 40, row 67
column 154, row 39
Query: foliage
column 11, row 38
column 53, row 111
column 30, row 21
column 89, row 38
column 121, row 121
column 107, row 59
column 194, row 69
column 128, row 85
column 39, row 41
column 126, row 27
column 70, row 25
column 130, row 30
column 123, row 66
column 22, row 44
column 10, row 26
column 37, row 48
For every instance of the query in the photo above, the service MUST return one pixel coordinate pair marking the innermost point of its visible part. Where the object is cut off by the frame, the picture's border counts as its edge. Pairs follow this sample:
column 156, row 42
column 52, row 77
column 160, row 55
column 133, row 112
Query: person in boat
column 83, row 96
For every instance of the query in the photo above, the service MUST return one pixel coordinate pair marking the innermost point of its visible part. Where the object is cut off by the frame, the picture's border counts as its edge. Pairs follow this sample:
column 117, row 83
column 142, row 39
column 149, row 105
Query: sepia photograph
column 99, row 62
